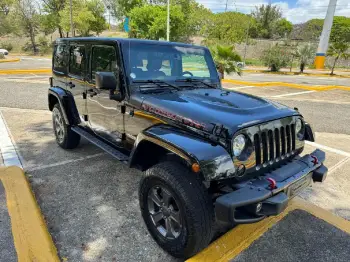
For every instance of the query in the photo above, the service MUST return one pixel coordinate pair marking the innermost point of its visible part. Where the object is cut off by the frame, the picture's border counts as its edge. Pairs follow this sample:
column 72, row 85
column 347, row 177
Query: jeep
column 210, row 156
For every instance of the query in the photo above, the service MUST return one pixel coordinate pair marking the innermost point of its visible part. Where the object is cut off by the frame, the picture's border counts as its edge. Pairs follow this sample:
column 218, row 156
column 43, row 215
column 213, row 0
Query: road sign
column 126, row 25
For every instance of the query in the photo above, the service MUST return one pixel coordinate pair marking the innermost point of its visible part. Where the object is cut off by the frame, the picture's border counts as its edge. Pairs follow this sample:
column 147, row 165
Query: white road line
column 7, row 147
column 41, row 167
column 240, row 87
column 330, row 149
column 338, row 165
column 48, row 112
column 293, row 94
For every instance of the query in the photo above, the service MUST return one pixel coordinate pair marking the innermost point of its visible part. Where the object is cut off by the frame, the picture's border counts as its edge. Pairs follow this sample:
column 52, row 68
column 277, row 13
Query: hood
column 206, row 108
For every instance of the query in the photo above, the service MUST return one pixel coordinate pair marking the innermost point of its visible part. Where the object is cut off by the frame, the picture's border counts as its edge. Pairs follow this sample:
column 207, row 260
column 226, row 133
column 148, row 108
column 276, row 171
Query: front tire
column 65, row 137
column 177, row 209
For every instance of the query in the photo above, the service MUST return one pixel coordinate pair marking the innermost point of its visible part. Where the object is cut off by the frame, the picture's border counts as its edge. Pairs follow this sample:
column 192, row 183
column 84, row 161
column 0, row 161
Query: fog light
column 258, row 207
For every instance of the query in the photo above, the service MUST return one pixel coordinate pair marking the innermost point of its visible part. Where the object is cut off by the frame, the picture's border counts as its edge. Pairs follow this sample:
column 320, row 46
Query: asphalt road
column 90, row 201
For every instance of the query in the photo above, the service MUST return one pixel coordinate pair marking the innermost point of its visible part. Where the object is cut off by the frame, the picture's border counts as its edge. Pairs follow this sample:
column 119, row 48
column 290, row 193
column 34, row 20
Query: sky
column 296, row 11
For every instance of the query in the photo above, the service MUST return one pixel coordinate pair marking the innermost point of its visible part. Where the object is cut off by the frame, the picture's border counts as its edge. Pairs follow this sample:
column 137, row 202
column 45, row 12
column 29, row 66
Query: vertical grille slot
column 271, row 146
column 257, row 149
column 277, row 143
column 289, row 139
column 283, row 141
column 293, row 136
column 264, row 147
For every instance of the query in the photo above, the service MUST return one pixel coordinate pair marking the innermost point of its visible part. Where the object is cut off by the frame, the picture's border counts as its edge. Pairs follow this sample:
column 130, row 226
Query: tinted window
column 103, row 59
column 59, row 60
column 77, row 60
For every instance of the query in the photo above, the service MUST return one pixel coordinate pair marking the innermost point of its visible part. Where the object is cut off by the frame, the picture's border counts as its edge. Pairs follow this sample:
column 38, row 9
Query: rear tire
column 189, row 204
column 65, row 137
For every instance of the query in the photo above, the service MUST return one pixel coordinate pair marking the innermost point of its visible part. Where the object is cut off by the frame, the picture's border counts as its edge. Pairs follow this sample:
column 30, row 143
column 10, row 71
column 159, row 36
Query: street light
column 71, row 18
column 168, row 23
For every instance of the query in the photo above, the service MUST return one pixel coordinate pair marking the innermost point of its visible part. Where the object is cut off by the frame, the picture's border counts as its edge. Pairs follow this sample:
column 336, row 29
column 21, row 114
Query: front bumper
column 240, row 206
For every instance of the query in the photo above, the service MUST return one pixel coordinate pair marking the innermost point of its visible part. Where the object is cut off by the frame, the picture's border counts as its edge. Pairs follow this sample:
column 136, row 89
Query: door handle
column 71, row 85
column 91, row 92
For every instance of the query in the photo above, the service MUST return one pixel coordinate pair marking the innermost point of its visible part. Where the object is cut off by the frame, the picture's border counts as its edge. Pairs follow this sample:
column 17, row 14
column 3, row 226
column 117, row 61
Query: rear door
column 76, row 84
column 105, row 116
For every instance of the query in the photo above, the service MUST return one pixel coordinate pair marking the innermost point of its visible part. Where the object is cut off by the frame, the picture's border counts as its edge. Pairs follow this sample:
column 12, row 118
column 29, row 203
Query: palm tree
column 305, row 53
column 338, row 50
column 226, row 59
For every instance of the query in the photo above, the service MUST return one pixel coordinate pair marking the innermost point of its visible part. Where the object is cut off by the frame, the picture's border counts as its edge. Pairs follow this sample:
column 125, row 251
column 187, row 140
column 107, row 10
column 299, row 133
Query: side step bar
column 104, row 146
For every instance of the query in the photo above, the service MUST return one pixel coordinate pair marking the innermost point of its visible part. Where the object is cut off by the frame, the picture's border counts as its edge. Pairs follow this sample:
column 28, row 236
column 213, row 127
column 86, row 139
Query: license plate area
column 296, row 187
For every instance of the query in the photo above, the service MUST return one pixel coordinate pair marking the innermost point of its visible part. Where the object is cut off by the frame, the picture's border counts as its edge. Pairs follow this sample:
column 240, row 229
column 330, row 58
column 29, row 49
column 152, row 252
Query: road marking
column 293, row 94
column 30, row 235
column 338, row 165
column 42, row 111
column 239, row 87
column 7, row 147
column 230, row 245
column 41, row 167
column 330, row 149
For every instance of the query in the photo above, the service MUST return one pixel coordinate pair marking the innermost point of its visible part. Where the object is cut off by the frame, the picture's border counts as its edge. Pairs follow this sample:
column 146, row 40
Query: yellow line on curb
column 25, row 71
column 292, row 85
column 10, row 60
column 241, row 237
column 296, row 73
column 31, row 237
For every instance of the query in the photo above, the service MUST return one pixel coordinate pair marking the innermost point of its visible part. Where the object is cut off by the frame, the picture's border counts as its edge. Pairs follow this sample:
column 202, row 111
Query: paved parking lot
column 90, row 201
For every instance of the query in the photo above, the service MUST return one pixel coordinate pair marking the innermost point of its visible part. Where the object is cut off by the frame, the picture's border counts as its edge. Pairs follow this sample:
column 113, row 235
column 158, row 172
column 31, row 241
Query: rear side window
column 59, row 58
column 77, row 60
column 103, row 59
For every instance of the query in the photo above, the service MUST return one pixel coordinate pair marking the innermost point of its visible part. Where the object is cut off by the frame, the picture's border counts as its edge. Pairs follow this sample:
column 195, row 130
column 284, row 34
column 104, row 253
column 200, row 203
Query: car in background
column 4, row 51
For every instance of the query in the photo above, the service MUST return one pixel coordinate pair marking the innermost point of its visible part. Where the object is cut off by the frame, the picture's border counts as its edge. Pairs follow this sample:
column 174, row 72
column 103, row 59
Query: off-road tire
column 69, row 138
column 194, row 202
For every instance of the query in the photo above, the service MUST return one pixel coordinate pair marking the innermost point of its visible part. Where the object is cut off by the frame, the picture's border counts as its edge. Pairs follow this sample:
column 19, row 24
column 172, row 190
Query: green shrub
column 2, row 56
column 7, row 46
column 276, row 57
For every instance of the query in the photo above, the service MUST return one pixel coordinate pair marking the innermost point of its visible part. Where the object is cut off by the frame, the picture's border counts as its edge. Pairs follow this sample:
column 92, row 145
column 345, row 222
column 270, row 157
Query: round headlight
column 298, row 126
column 238, row 144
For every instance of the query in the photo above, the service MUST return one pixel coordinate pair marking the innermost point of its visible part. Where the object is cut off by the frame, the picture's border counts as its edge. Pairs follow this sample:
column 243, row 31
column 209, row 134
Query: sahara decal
column 174, row 117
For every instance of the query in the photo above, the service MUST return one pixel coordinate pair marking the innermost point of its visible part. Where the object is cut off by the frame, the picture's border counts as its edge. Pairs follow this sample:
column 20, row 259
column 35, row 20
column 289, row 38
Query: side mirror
column 108, row 81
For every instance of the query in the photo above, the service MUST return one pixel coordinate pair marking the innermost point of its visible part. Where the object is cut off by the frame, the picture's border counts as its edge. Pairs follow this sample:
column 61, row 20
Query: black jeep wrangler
column 209, row 154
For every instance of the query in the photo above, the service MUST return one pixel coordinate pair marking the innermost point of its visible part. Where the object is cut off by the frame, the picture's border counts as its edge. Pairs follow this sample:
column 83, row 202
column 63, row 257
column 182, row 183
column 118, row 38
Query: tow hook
column 315, row 160
column 272, row 182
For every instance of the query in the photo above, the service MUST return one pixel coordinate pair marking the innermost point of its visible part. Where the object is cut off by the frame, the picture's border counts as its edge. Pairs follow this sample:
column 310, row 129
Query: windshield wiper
column 158, row 83
column 194, row 80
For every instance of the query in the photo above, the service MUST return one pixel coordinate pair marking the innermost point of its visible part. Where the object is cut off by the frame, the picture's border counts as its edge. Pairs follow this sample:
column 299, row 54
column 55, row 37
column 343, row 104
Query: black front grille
column 274, row 144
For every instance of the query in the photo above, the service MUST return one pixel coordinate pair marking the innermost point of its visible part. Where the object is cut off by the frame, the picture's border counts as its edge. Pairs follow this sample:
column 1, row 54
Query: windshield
column 167, row 62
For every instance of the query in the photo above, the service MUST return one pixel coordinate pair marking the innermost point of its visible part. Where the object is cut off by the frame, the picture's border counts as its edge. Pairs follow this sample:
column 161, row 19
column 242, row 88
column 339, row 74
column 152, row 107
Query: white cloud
column 301, row 12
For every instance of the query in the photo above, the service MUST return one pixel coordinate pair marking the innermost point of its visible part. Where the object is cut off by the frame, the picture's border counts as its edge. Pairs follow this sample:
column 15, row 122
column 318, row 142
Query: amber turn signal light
column 195, row 168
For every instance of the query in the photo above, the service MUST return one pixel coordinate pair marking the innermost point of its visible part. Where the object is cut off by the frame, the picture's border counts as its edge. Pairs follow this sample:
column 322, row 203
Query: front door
column 105, row 115
column 75, row 83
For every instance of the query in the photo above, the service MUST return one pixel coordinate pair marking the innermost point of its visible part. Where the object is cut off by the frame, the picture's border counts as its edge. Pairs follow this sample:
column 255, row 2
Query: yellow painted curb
column 298, row 74
column 31, row 237
column 297, row 86
column 241, row 237
column 25, row 71
column 10, row 60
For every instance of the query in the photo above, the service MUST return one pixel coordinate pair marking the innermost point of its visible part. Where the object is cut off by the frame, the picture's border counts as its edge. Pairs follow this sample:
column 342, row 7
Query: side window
column 59, row 58
column 103, row 59
column 77, row 60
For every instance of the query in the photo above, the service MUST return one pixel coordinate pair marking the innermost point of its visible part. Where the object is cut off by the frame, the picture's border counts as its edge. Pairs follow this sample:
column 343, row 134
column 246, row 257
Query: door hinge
column 123, row 109
column 86, row 118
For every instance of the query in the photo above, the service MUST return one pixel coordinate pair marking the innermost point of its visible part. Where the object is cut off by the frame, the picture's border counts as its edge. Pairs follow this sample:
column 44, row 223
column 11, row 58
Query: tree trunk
column 60, row 31
column 335, row 62
column 32, row 38
column 302, row 66
column 222, row 72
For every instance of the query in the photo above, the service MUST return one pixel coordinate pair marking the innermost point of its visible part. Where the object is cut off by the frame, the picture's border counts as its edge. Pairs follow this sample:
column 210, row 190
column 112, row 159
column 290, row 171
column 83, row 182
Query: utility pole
column 109, row 16
column 168, row 23
column 71, row 18
column 326, row 33
column 226, row 6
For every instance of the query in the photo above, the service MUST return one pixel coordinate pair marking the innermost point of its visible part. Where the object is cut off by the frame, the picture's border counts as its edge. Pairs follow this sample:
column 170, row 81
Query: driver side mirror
column 108, row 81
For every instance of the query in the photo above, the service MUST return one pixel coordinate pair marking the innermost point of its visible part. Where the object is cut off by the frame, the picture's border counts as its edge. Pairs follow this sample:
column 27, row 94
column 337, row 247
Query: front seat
column 153, row 67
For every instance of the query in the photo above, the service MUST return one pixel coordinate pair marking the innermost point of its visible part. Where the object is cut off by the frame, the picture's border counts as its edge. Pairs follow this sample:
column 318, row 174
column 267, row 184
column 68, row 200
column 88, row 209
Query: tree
column 6, row 26
column 121, row 8
column 87, row 17
column 226, row 59
column 276, row 57
column 338, row 50
column 149, row 21
column 51, row 19
column 270, row 22
column 305, row 53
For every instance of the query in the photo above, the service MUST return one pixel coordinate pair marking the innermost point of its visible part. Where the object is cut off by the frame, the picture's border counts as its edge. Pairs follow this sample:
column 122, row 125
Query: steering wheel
column 187, row 73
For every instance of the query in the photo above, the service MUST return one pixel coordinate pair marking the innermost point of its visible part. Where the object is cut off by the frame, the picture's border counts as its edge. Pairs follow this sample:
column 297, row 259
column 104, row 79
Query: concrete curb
column 32, row 240
column 10, row 60
column 25, row 71
column 297, row 86
column 296, row 73
column 241, row 237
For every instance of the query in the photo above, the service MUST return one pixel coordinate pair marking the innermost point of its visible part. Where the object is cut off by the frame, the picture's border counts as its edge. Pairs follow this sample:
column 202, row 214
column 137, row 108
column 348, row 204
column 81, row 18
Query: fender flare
column 66, row 102
column 214, row 161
